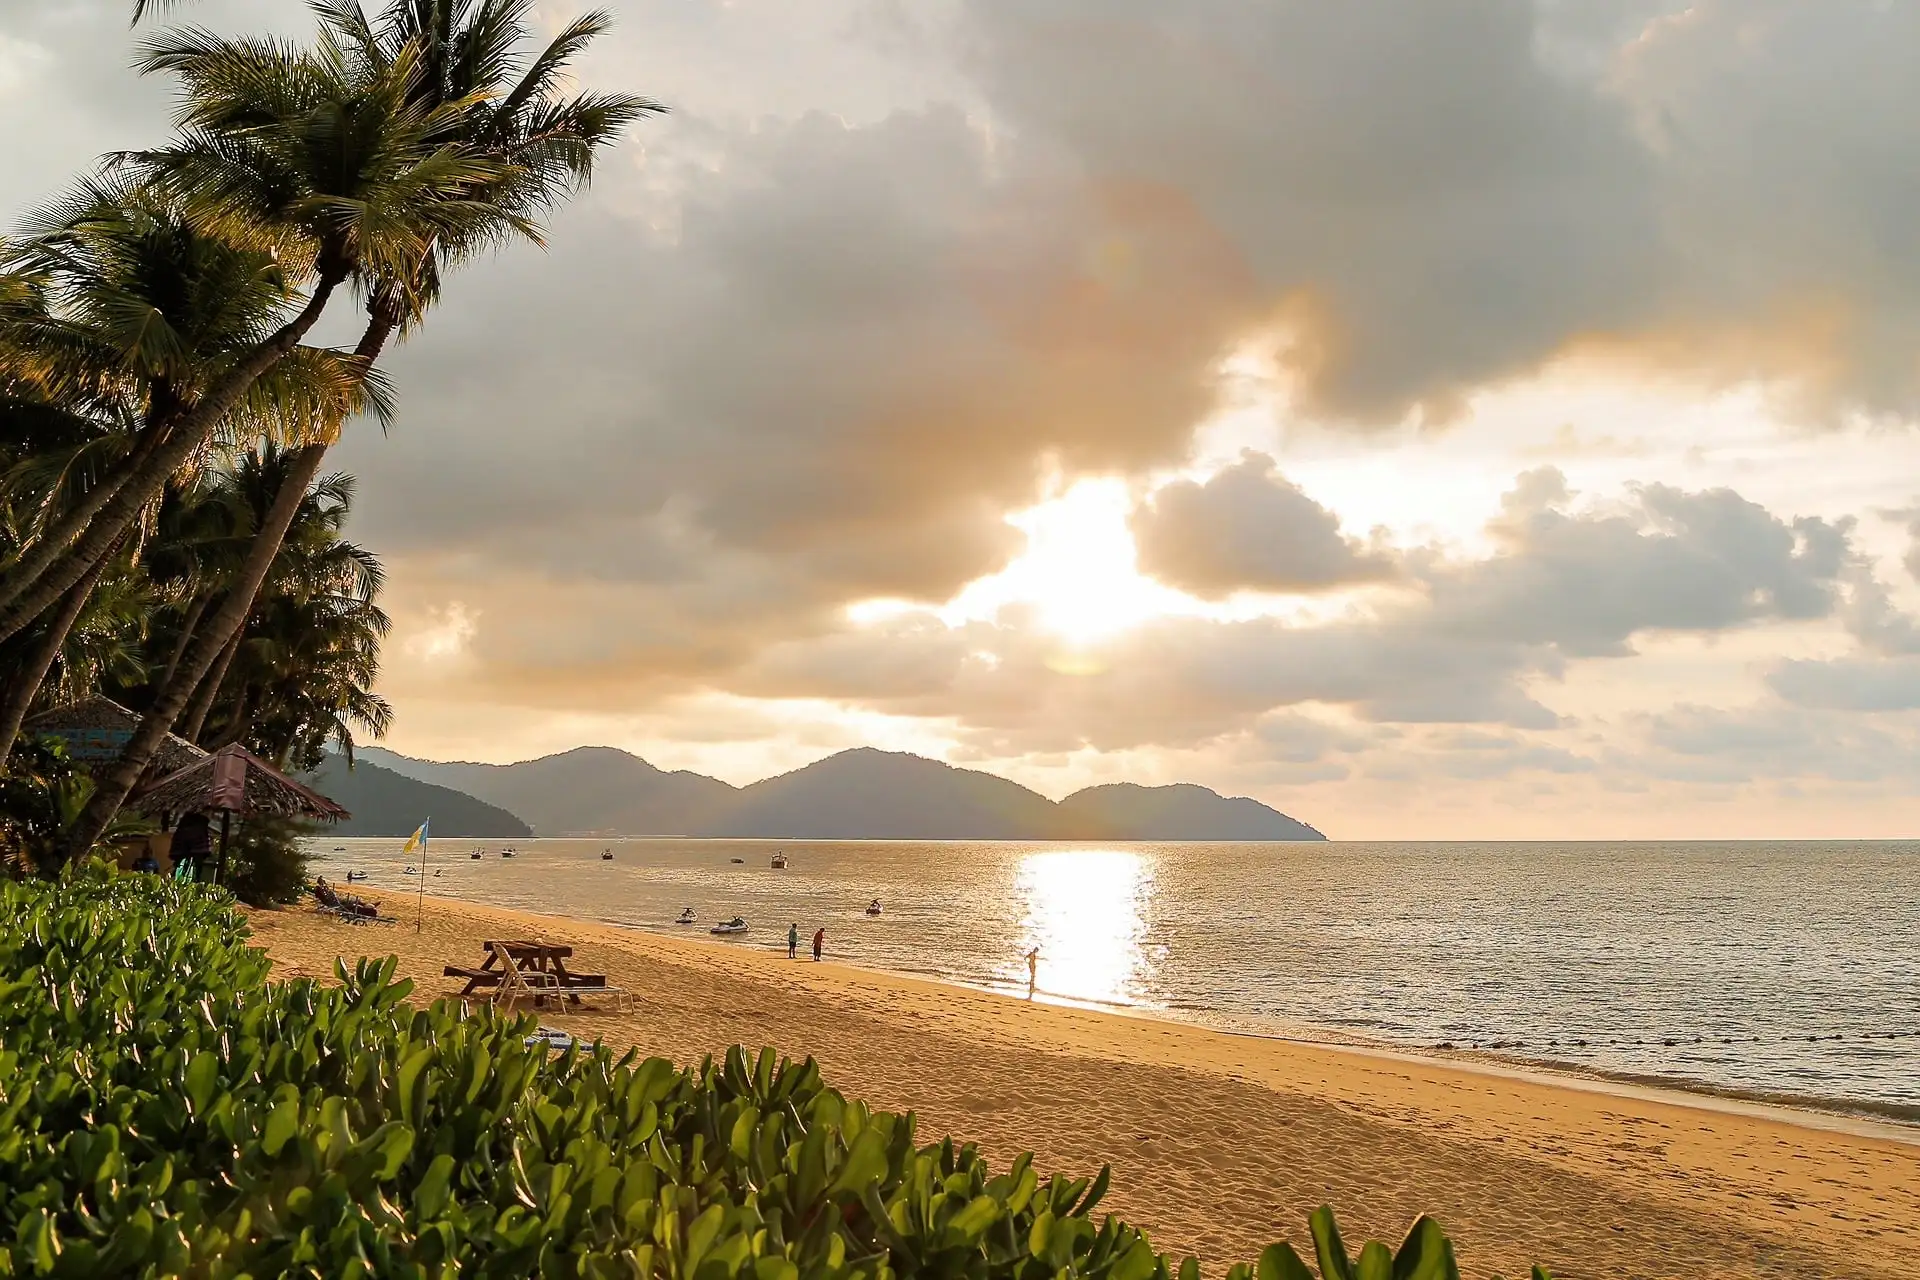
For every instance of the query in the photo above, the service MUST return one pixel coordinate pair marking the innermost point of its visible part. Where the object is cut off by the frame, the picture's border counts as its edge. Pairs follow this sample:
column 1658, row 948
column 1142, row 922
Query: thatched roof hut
column 95, row 730
column 234, row 780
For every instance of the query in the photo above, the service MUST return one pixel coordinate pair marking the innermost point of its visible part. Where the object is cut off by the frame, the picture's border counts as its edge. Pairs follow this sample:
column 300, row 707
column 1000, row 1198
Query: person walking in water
column 819, row 942
column 793, row 940
column 1033, row 972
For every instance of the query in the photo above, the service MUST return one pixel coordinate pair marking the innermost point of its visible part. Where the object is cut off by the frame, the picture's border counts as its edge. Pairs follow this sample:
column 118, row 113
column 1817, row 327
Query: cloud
column 1666, row 561
column 1248, row 528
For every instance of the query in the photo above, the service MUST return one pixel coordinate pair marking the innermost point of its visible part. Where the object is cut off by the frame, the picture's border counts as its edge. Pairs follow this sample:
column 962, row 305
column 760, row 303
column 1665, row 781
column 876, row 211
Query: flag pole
column 420, row 900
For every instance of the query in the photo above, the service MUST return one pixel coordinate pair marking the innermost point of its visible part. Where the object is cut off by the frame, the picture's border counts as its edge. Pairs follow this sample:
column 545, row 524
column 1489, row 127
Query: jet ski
column 779, row 862
column 873, row 908
column 506, row 853
column 735, row 925
column 410, row 871
column 475, row 855
column 687, row 917
column 606, row 855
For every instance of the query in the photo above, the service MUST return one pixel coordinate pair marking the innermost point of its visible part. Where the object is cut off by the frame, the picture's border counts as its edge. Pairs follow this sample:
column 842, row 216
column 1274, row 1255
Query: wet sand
column 1221, row 1143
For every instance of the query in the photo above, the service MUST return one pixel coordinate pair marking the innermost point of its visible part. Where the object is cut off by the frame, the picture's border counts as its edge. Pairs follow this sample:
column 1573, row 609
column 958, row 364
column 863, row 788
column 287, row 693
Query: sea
column 1784, row 970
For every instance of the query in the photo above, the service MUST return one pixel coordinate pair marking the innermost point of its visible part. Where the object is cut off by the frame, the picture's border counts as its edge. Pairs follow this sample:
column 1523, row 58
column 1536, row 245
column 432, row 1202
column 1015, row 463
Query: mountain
column 862, row 794
column 1183, row 811
column 866, row 794
column 586, row 791
column 385, row 803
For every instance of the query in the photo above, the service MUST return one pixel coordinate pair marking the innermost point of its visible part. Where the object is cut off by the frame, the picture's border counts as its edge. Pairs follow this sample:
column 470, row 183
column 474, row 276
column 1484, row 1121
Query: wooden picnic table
column 540, row 965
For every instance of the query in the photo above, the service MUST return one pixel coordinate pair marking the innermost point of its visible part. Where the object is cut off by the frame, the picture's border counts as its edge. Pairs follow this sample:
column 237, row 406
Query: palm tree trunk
column 221, row 630
column 24, row 598
column 28, row 679
column 237, row 728
column 187, row 625
column 210, row 689
column 225, row 624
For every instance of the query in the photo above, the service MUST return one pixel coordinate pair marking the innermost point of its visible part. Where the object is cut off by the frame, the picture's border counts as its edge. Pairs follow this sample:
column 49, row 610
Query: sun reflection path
column 1086, row 909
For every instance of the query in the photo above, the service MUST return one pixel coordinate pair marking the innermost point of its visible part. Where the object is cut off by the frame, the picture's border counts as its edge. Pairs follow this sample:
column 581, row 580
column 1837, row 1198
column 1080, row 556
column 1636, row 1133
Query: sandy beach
column 1220, row 1143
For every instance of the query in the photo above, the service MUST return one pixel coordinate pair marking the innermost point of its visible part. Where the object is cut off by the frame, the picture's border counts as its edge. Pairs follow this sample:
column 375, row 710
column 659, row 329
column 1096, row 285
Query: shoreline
column 1894, row 1121
column 1221, row 1142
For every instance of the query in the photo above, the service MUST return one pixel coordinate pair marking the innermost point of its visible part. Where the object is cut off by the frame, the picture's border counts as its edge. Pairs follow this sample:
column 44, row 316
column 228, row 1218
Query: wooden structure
column 95, row 730
column 536, row 971
column 232, row 781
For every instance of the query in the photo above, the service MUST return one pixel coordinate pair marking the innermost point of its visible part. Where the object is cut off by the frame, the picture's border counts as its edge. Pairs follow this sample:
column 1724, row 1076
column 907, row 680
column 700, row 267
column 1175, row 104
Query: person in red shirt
column 819, row 942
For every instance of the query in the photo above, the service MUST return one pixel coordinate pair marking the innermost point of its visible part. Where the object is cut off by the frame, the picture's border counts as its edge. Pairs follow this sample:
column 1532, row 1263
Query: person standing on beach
column 1033, row 972
column 793, row 940
column 819, row 942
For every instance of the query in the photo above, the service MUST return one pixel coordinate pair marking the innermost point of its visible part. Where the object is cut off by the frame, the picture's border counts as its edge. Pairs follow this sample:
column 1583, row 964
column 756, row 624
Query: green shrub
column 165, row 1110
column 267, row 861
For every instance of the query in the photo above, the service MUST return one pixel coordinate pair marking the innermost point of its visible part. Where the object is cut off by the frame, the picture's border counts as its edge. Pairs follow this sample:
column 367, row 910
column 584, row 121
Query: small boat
column 738, row 861
column 410, row 871
column 735, row 925
column 355, row 877
column 506, row 853
column 339, row 848
column 475, row 855
column 686, row 917
column 779, row 862
column 606, row 855
column 873, row 908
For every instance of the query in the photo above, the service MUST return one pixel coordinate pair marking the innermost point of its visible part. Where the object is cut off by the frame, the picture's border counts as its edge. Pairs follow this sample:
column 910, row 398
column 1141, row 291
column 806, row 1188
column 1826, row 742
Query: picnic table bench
column 514, row 968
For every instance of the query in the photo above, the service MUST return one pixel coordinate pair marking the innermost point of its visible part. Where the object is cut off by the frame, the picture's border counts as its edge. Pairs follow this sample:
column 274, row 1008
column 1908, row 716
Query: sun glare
column 1078, row 572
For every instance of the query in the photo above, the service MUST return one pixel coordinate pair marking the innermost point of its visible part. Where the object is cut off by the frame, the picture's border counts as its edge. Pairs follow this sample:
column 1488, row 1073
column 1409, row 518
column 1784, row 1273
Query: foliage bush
column 42, row 793
column 267, row 860
column 165, row 1110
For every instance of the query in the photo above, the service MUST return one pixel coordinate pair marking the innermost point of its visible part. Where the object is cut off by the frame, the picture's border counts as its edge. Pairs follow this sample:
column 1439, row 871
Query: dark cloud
column 1248, row 528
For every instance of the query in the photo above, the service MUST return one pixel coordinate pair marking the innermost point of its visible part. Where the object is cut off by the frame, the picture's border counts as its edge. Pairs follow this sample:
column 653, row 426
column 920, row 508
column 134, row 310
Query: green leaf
column 1280, row 1262
column 282, row 1123
column 1334, row 1263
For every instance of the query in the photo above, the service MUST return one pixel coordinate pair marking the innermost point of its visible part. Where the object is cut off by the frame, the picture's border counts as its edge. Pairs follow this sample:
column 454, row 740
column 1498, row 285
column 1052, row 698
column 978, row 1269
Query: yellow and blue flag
column 417, row 839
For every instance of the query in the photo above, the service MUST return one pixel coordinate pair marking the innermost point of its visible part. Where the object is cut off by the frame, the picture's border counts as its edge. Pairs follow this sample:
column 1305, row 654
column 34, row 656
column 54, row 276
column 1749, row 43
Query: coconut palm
column 121, row 310
column 297, row 156
column 516, row 148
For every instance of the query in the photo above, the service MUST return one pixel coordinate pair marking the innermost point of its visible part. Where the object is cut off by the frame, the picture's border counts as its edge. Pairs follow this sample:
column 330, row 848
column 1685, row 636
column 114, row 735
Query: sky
column 1468, row 420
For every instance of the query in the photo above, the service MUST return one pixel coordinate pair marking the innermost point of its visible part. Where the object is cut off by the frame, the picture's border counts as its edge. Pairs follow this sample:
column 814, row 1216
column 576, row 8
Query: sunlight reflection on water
column 1087, row 912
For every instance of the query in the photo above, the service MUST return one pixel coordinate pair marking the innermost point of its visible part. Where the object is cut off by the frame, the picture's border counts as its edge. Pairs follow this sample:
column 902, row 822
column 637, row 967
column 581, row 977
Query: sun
column 1078, row 574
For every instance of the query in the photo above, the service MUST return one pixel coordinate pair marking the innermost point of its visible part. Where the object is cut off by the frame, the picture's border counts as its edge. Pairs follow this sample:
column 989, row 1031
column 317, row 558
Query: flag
column 417, row 839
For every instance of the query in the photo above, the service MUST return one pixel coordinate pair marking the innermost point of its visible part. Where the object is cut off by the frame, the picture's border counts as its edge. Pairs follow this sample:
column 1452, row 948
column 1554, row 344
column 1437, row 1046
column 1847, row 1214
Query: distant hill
column 866, row 794
column 385, row 803
column 862, row 794
column 1182, row 811
column 586, row 791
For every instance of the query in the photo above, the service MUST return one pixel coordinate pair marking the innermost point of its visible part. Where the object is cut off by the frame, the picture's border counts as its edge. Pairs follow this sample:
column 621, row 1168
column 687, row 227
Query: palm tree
column 521, row 146
column 120, row 310
column 298, row 157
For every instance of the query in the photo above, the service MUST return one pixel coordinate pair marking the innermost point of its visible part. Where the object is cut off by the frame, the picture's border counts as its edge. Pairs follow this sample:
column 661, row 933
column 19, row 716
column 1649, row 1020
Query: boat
column 735, row 925
column 686, row 917
column 475, row 855
column 606, row 855
column 873, row 908
column 506, row 853
column 779, row 862
column 738, row 861
column 410, row 871
column 339, row 848
column 355, row 877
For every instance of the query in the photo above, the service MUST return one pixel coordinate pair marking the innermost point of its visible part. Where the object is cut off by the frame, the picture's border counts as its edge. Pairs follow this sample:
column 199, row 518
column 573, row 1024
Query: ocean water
column 1806, row 956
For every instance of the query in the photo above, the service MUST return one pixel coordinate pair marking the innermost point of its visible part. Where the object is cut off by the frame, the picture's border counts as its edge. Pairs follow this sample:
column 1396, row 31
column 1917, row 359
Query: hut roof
column 95, row 730
column 235, row 780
